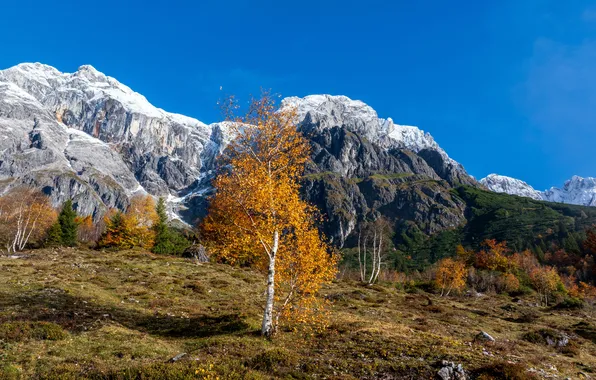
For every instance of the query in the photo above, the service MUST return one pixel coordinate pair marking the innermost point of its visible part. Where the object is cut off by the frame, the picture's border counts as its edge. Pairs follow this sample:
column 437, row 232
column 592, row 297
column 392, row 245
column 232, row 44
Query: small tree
column 88, row 232
column 372, row 236
column 451, row 275
column 493, row 256
column 546, row 281
column 462, row 254
column 115, row 234
column 25, row 217
column 68, row 224
column 257, row 217
column 138, row 222
column 54, row 236
column 167, row 241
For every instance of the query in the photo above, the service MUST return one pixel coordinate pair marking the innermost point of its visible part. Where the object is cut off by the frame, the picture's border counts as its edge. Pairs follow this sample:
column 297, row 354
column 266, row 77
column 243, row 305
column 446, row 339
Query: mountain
column 364, row 167
column 503, row 184
column 577, row 190
column 89, row 137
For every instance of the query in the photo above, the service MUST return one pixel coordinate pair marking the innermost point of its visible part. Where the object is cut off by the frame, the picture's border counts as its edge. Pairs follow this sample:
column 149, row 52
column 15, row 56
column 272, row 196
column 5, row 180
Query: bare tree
column 372, row 235
column 25, row 216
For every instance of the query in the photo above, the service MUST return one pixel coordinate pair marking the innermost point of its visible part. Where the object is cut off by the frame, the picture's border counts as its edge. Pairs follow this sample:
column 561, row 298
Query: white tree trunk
column 267, row 326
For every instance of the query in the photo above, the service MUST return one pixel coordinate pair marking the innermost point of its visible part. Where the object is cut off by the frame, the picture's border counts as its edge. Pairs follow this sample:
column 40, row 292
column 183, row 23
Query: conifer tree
column 161, row 224
column 68, row 224
column 167, row 241
column 54, row 237
column 115, row 233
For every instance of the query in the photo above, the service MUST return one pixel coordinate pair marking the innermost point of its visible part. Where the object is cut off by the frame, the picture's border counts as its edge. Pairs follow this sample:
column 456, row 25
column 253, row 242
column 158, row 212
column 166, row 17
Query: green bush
column 168, row 241
column 570, row 303
column 522, row 291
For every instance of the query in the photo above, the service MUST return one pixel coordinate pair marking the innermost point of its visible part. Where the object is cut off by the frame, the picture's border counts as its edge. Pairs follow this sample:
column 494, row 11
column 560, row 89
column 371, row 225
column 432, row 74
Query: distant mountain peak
column 503, row 184
column 577, row 190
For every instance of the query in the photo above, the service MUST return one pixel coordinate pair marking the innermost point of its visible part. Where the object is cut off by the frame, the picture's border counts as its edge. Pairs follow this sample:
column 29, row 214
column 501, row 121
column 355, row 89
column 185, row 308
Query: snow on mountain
column 577, row 190
column 85, row 132
column 504, row 184
column 330, row 110
column 86, row 136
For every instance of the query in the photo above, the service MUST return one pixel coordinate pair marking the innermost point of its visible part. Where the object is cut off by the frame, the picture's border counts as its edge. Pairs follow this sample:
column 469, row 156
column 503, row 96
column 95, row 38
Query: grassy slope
column 132, row 311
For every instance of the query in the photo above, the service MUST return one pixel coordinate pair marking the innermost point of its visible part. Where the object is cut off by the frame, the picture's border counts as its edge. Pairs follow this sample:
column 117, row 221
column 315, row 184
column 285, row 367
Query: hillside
column 85, row 314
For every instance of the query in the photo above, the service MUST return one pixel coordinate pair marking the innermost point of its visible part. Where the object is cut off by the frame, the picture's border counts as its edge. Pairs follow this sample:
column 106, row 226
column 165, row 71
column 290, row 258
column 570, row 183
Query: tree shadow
column 77, row 314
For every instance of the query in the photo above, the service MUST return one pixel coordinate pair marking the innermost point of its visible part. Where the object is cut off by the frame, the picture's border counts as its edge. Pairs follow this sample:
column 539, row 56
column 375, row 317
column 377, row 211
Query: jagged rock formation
column 88, row 137
column 363, row 167
column 322, row 112
column 577, row 190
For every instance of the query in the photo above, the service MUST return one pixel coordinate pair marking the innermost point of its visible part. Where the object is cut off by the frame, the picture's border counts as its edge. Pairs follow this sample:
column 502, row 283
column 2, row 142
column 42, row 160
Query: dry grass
column 123, row 315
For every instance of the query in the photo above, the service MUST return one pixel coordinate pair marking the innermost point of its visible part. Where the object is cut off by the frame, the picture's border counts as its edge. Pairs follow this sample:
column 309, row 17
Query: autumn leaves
column 25, row 217
column 258, row 218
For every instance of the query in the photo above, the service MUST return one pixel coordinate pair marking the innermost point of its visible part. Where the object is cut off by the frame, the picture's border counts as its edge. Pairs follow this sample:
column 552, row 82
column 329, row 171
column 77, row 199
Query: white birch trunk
column 267, row 326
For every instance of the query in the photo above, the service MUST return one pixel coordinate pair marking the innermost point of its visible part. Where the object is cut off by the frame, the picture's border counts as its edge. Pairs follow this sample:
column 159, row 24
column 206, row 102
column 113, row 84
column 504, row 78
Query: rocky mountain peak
column 320, row 112
column 86, row 136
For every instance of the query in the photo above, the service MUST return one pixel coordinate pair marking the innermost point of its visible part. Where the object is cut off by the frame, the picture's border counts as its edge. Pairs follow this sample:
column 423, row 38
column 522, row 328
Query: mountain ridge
column 87, row 137
column 167, row 154
column 577, row 190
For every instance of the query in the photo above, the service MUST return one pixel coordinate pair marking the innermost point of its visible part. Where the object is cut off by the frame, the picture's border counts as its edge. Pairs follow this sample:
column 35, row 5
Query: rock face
column 88, row 137
column 577, row 190
column 323, row 112
column 364, row 167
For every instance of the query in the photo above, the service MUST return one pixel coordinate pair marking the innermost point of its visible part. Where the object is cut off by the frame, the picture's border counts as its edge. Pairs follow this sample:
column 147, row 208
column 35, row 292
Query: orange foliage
column 132, row 229
column 451, row 275
column 25, row 217
column 258, row 218
column 545, row 280
column 524, row 261
column 493, row 256
column 114, row 234
column 510, row 282
column 139, row 220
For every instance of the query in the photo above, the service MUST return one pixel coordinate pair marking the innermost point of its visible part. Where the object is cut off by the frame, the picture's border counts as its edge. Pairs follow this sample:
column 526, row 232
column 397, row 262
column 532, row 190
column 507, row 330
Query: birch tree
column 451, row 275
column 25, row 217
column 372, row 238
column 257, row 217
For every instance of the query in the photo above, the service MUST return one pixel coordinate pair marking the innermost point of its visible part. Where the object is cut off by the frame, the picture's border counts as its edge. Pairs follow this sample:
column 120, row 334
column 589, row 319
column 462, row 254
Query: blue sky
column 504, row 86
